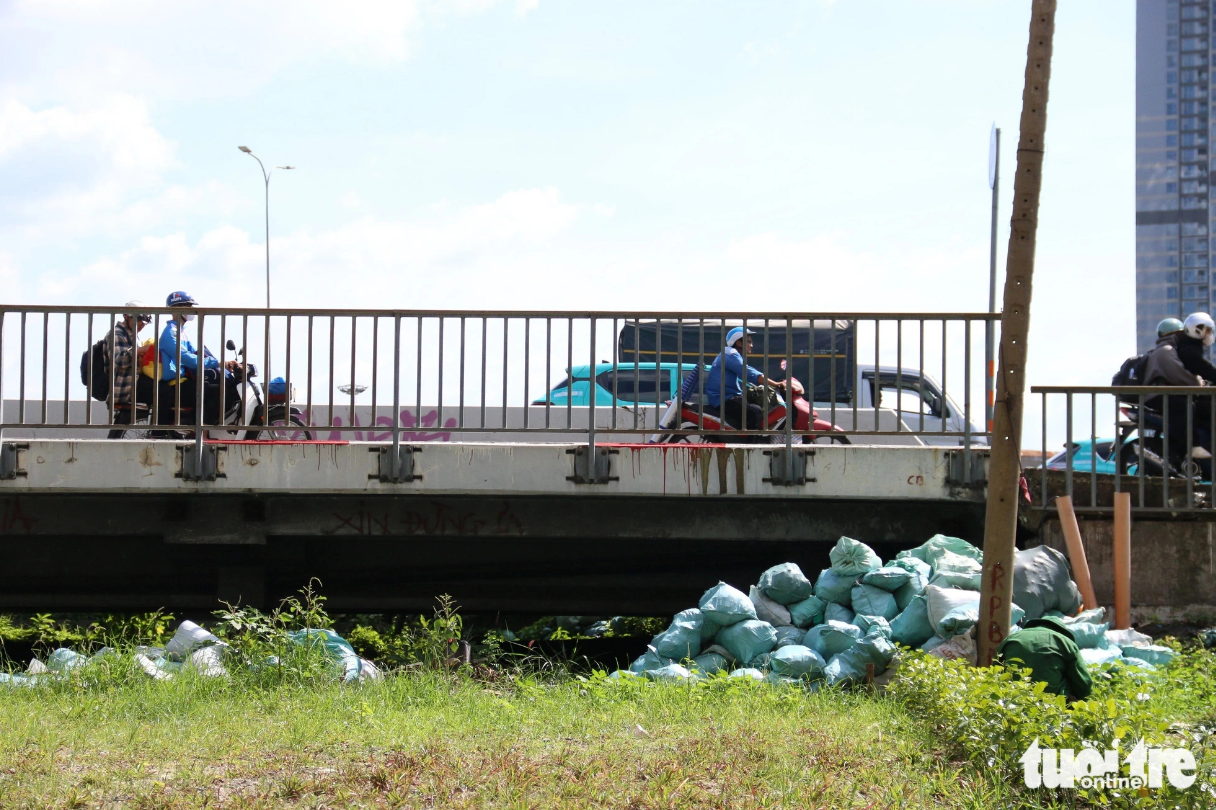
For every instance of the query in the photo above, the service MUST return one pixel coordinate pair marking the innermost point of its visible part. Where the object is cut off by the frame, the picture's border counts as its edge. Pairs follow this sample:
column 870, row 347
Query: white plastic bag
column 188, row 637
column 769, row 610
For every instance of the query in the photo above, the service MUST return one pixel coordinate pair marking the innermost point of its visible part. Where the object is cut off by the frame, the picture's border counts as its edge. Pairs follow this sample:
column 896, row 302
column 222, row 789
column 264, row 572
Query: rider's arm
column 1197, row 364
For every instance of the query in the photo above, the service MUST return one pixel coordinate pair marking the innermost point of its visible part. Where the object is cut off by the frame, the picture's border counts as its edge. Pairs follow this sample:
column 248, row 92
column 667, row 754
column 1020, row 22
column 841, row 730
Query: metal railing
column 1158, row 448
column 477, row 373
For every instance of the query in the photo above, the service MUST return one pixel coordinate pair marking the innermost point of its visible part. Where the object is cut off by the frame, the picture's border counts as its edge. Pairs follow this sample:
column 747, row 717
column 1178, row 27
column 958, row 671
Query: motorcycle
column 269, row 413
column 685, row 414
column 1148, row 447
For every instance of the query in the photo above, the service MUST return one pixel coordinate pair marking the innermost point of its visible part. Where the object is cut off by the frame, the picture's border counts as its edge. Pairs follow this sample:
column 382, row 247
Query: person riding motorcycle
column 724, row 383
column 186, row 377
column 1178, row 360
column 1168, row 326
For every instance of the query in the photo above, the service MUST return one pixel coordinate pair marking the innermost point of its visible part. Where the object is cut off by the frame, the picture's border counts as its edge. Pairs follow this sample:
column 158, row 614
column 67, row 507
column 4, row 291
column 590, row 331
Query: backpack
column 1132, row 371
column 95, row 357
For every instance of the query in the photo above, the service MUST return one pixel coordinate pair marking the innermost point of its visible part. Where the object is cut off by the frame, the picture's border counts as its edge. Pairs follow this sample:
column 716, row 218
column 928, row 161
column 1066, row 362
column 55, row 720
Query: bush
column 992, row 715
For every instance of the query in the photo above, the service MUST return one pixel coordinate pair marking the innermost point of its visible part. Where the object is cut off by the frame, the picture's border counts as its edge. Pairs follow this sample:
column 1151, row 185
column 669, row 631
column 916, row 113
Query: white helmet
column 1200, row 326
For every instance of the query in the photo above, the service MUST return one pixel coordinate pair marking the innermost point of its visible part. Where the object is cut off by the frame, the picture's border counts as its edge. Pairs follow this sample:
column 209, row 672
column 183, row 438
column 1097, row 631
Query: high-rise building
column 1173, row 59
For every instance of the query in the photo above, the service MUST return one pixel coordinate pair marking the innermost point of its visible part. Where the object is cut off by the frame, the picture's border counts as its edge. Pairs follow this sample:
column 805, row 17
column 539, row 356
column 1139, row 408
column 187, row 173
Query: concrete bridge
column 126, row 525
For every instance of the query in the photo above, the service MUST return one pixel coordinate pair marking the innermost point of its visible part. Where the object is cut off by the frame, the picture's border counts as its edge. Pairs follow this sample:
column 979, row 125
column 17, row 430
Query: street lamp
column 266, row 178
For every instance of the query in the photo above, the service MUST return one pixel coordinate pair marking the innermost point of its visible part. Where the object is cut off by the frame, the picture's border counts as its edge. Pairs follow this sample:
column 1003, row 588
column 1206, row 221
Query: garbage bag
column 777, row 679
column 748, row 672
column 596, row 630
column 957, row 562
column 807, row 612
column 1129, row 636
column 877, row 623
column 956, row 648
column 760, row 662
column 911, row 627
column 785, row 584
column 671, row 672
column 208, row 661
column 919, row 572
column 189, row 637
column 1154, row 654
column 831, row 638
column 1087, row 634
column 1101, row 655
column 709, row 628
column 710, row 663
column 1093, row 616
column 649, row 660
column 874, row 601
column 953, row 612
column 838, row 613
column 789, row 635
column 726, row 605
column 747, row 639
column 682, row 638
column 339, row 651
column 718, row 649
column 797, row 661
column 767, row 610
column 890, row 577
column 1042, row 581
column 63, row 659
column 851, row 558
column 832, row 587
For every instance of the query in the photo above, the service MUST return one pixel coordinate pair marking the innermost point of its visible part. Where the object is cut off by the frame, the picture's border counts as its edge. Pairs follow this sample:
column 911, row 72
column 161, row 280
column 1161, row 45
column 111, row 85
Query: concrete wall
column 1173, row 566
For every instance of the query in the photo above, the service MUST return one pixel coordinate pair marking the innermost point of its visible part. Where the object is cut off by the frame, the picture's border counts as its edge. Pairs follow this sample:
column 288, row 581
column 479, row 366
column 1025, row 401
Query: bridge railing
column 412, row 375
column 1152, row 442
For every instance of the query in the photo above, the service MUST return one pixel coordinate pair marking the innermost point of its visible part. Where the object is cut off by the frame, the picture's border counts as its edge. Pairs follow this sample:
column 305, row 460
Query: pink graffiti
column 429, row 420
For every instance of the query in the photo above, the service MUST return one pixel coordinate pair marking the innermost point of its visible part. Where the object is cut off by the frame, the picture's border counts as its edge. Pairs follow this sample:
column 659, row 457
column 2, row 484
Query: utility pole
column 1000, row 522
column 994, row 183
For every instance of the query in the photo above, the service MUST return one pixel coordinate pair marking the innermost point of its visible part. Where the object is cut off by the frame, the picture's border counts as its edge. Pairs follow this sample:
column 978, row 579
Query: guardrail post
column 397, row 464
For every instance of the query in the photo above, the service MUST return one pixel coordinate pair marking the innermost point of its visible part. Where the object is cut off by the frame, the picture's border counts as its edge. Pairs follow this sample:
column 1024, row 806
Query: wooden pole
column 1076, row 551
column 1123, row 560
column 1005, row 469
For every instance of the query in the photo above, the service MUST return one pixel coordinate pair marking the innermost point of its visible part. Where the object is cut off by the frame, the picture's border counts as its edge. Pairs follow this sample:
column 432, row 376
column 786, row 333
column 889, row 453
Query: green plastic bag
column 647, row 661
column 832, row 587
column 709, row 628
column 682, row 639
column 339, row 650
column 710, row 663
column 890, row 577
column 789, row 635
column 1087, row 634
column 874, row 601
column 807, row 612
column 920, row 572
column 831, row 638
column 725, row 605
column 958, row 563
column 1154, row 654
column 670, row 673
column 865, row 623
column 851, row 558
column 850, row 665
column 1042, row 581
column 911, row 627
column 747, row 639
column 785, row 584
column 838, row 613
column 797, row 661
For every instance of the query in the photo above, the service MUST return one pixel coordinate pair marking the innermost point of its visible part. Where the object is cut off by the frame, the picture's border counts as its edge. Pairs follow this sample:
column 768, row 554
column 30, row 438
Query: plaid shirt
column 124, row 376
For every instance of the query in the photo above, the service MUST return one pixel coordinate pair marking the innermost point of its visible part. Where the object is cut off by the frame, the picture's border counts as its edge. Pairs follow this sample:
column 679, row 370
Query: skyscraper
column 1173, row 58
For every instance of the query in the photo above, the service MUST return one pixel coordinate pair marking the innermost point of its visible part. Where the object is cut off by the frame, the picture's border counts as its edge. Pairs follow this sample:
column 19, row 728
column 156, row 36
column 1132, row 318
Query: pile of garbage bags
column 193, row 647
column 787, row 628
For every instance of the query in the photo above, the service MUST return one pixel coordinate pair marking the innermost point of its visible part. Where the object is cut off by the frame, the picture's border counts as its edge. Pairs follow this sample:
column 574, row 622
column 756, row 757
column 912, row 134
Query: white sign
column 1090, row 768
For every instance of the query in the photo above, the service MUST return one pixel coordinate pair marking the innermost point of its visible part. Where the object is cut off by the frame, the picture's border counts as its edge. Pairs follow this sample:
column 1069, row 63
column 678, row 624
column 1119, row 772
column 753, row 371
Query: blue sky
column 543, row 154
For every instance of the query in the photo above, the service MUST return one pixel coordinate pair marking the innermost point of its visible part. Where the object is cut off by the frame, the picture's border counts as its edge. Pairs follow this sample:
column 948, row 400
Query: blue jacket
column 168, row 354
column 732, row 360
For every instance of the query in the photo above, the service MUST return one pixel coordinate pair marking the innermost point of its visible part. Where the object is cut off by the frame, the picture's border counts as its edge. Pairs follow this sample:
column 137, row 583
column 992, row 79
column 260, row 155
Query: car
column 633, row 383
column 1084, row 452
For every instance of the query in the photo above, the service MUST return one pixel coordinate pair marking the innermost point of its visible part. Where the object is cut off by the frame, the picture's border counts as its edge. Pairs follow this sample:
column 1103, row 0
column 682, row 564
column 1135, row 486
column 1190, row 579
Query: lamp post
column 266, row 179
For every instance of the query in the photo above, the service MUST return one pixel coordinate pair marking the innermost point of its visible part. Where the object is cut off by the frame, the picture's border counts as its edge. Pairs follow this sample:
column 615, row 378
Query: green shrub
column 992, row 715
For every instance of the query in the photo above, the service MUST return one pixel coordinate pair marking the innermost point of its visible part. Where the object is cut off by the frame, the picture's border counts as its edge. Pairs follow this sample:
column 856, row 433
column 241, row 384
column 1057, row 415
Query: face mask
column 189, row 316
column 1209, row 337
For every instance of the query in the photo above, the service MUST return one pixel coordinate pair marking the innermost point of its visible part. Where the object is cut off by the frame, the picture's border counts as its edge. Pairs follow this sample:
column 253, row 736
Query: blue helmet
column 180, row 299
column 735, row 334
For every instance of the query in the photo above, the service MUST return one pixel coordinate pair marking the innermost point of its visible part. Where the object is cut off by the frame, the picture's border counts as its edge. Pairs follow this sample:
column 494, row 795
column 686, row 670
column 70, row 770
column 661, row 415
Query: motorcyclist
column 122, row 365
column 1178, row 360
column 186, row 377
column 724, row 391
column 1168, row 326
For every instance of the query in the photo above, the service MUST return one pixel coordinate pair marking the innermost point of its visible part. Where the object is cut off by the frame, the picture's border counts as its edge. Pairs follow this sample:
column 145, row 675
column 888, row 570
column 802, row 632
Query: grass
column 431, row 739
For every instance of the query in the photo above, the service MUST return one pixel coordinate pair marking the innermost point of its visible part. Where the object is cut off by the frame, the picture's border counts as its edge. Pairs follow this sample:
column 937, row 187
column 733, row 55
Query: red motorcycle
column 685, row 414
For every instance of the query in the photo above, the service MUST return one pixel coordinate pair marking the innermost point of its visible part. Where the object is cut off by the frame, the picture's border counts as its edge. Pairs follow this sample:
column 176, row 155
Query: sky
column 550, row 154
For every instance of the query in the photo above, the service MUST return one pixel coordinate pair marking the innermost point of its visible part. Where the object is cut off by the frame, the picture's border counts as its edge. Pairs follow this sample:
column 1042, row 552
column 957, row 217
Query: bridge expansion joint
column 398, row 469
column 10, row 468
column 592, row 468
